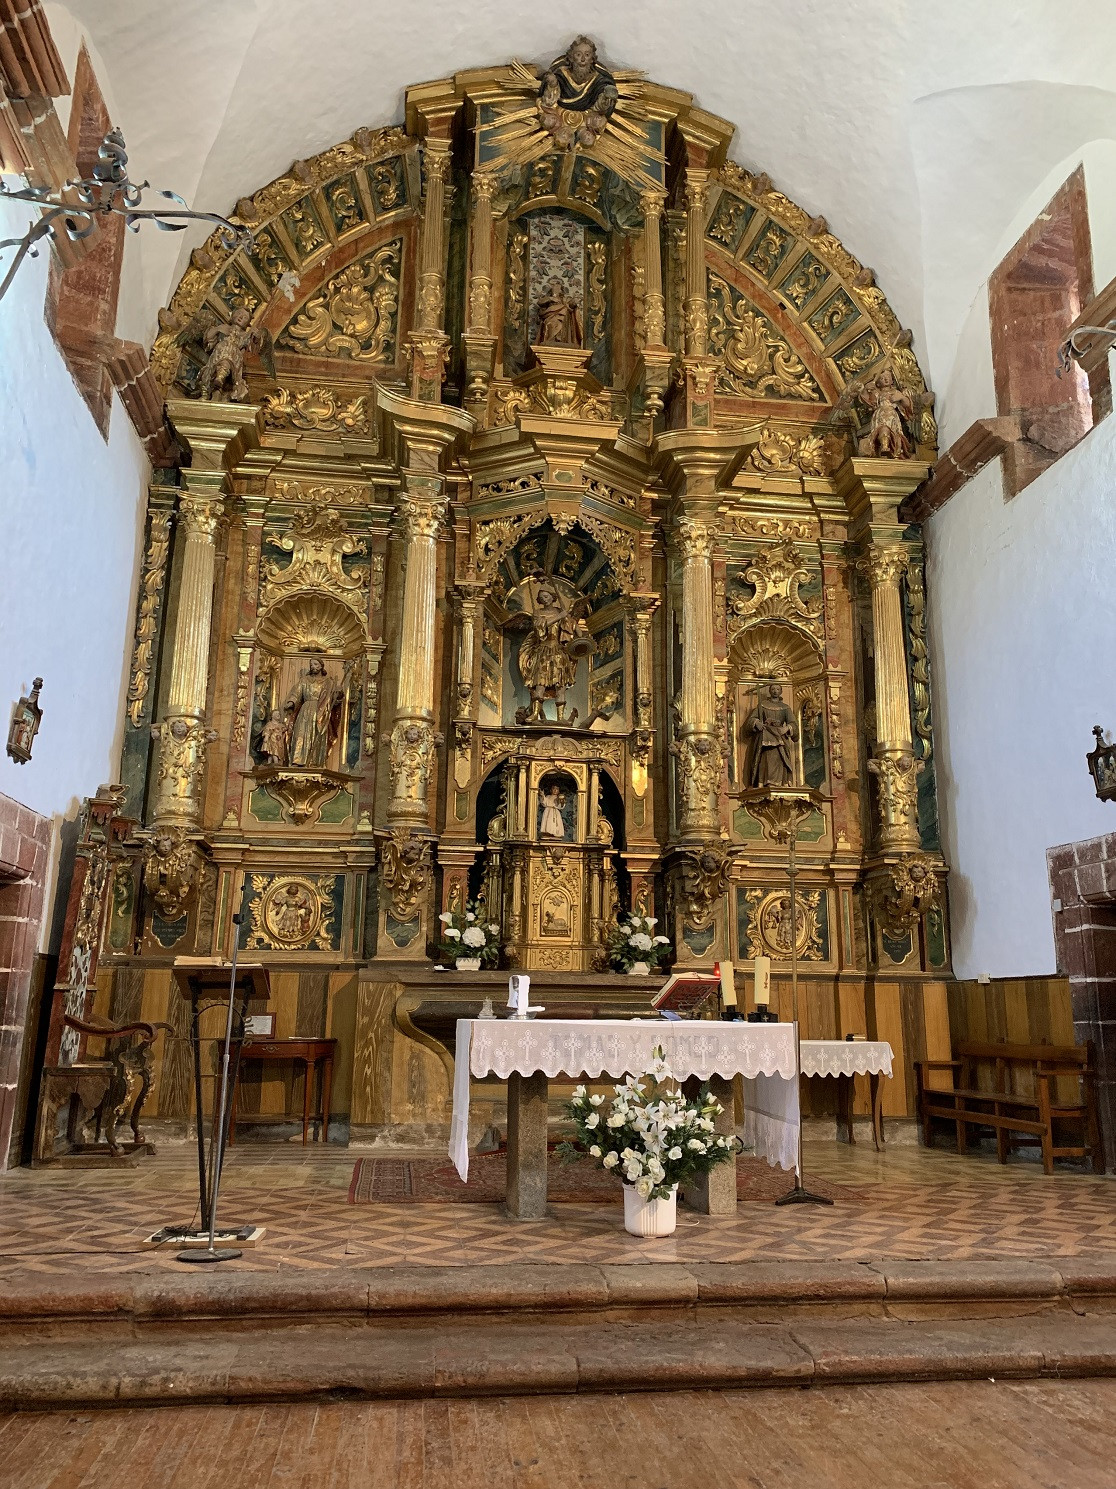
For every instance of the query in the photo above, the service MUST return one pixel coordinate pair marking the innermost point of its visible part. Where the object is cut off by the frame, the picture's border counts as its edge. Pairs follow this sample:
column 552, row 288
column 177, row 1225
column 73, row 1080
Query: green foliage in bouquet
column 634, row 946
column 649, row 1134
column 467, row 933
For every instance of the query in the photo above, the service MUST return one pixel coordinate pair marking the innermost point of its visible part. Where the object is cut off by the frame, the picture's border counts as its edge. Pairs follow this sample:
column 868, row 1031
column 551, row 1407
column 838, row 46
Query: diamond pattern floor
column 907, row 1202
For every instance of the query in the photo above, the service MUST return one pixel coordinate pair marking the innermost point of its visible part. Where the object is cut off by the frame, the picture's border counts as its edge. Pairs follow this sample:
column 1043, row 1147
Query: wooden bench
column 1033, row 1114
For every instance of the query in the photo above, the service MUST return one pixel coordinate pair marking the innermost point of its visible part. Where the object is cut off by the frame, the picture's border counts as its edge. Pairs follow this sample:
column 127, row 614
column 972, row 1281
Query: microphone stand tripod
column 219, row 1134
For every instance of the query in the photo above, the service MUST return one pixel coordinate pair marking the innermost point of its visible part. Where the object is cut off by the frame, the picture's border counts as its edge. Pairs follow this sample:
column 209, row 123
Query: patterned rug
column 434, row 1181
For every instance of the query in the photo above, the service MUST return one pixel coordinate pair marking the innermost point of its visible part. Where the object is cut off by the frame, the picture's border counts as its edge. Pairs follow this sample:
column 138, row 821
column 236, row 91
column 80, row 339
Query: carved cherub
column 892, row 408
column 222, row 376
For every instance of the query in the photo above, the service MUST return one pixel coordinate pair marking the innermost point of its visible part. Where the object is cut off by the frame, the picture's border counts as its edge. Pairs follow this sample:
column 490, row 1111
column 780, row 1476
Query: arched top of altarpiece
column 774, row 271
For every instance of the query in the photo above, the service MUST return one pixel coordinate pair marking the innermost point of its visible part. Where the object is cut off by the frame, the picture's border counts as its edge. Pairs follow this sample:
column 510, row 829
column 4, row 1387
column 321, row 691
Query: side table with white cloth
column 771, row 1106
column 528, row 1053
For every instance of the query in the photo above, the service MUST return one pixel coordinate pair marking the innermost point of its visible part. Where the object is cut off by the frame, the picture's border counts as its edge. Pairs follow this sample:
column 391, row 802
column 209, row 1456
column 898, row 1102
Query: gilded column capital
column 651, row 203
column 484, row 185
column 199, row 515
column 422, row 519
column 695, row 538
column 436, row 159
column 694, row 190
column 884, row 563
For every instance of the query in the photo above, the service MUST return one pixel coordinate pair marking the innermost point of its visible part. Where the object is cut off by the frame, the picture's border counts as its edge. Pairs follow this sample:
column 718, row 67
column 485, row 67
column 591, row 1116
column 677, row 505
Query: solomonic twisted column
column 893, row 762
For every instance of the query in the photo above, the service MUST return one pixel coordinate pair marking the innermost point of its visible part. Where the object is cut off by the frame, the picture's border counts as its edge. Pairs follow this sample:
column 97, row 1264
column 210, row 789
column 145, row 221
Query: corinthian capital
column 421, row 519
column 695, row 538
column 695, row 190
column 651, row 203
column 200, row 514
column 884, row 563
column 484, row 185
column 436, row 159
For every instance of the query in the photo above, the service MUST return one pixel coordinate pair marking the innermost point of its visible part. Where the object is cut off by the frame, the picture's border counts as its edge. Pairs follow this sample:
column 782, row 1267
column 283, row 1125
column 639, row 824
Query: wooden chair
column 1034, row 1115
column 102, row 1094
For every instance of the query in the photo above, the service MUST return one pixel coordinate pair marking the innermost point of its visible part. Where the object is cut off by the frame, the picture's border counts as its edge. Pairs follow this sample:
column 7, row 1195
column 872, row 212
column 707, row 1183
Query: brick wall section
column 1083, row 880
column 24, row 851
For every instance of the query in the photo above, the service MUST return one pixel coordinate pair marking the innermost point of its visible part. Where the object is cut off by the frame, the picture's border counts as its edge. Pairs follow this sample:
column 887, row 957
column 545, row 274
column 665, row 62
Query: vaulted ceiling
column 918, row 130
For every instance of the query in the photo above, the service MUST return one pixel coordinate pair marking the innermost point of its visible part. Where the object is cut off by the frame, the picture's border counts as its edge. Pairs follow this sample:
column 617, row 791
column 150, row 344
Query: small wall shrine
column 541, row 496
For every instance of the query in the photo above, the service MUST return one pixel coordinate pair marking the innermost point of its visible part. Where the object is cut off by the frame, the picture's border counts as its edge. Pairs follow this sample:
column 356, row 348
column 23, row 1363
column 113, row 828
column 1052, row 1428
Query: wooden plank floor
column 969, row 1435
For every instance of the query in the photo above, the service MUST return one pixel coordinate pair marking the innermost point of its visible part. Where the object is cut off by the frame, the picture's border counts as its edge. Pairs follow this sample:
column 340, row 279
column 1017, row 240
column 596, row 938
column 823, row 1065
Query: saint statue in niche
column 273, row 739
column 313, row 712
column 552, row 825
column 559, row 319
column 771, row 729
column 548, row 655
column 577, row 96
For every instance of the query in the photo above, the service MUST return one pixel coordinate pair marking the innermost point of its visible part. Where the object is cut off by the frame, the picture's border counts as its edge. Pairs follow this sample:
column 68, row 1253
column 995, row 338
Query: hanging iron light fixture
column 72, row 212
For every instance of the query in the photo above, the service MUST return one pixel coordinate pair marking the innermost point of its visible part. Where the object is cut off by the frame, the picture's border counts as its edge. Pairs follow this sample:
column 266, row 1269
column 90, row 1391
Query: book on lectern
column 685, row 993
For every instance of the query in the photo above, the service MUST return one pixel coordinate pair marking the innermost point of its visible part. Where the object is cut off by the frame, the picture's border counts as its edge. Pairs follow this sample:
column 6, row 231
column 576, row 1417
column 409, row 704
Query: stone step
column 146, row 1305
column 314, row 1362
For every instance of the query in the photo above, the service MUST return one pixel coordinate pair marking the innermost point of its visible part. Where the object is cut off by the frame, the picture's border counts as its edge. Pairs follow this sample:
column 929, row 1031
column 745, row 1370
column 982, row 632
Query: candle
column 762, row 983
column 519, row 989
column 728, row 985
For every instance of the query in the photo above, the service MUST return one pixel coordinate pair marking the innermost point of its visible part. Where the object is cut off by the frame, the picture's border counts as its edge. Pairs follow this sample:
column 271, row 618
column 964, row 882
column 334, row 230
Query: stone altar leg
column 713, row 1193
column 527, row 1113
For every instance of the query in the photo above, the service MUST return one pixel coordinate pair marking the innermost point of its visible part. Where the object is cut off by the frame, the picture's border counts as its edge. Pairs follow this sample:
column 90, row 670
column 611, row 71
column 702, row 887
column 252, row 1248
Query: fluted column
column 412, row 736
column 654, row 305
column 428, row 343
column 182, row 734
column 893, row 763
column 480, row 344
column 697, row 747
column 697, row 305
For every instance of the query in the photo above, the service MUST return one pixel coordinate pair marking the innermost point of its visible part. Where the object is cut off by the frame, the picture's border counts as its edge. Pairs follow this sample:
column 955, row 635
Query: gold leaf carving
column 151, row 590
column 314, row 408
column 354, row 314
column 758, row 362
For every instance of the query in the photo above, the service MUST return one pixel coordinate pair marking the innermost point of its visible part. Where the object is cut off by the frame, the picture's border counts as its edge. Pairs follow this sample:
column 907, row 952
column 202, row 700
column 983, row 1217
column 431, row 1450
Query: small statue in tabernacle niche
column 26, row 718
column 313, row 711
column 892, row 408
column 222, row 377
column 273, row 739
column 556, row 640
column 577, row 96
column 559, row 318
column 771, row 730
column 552, row 825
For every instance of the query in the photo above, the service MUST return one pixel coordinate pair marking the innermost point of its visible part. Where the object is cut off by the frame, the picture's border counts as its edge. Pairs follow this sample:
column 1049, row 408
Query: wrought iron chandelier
column 1080, row 344
column 73, row 211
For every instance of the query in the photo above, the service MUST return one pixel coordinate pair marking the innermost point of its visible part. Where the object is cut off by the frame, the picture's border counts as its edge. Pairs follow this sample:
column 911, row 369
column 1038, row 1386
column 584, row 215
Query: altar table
column 527, row 1053
column 771, row 1106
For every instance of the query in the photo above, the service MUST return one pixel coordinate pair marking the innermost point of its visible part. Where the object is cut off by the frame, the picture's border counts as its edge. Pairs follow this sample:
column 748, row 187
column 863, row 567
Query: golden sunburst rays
column 519, row 138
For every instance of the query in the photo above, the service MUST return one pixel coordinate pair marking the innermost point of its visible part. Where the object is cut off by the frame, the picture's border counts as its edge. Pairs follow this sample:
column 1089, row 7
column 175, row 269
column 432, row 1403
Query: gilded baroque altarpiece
column 584, row 447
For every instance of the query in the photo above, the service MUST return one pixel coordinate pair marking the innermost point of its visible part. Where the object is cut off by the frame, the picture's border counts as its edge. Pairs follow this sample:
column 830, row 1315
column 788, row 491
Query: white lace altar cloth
column 596, row 1047
column 771, row 1110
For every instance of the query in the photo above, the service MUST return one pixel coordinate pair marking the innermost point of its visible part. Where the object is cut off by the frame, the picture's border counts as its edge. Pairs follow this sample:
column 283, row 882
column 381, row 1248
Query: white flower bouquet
column 634, row 947
column 649, row 1134
column 468, row 934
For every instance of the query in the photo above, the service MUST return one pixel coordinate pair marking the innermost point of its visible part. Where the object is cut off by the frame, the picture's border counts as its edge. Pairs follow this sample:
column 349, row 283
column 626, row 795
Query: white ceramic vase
column 640, row 969
column 650, row 1217
column 468, row 963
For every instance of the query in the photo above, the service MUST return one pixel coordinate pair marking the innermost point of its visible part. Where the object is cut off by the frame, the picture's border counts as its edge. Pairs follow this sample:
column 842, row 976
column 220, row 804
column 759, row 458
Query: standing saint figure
column 559, row 321
column 552, row 825
column 549, row 653
column 313, row 710
column 771, row 730
column 890, row 405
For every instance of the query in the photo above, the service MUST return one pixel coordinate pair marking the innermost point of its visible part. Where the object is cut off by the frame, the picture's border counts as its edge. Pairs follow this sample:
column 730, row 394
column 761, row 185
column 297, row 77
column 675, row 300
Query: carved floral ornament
column 776, row 574
column 825, row 260
column 317, row 541
column 317, row 408
column 354, row 200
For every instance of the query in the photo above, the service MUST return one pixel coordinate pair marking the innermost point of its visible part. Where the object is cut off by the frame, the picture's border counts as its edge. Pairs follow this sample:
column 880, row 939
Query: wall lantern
column 26, row 717
column 1102, row 764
